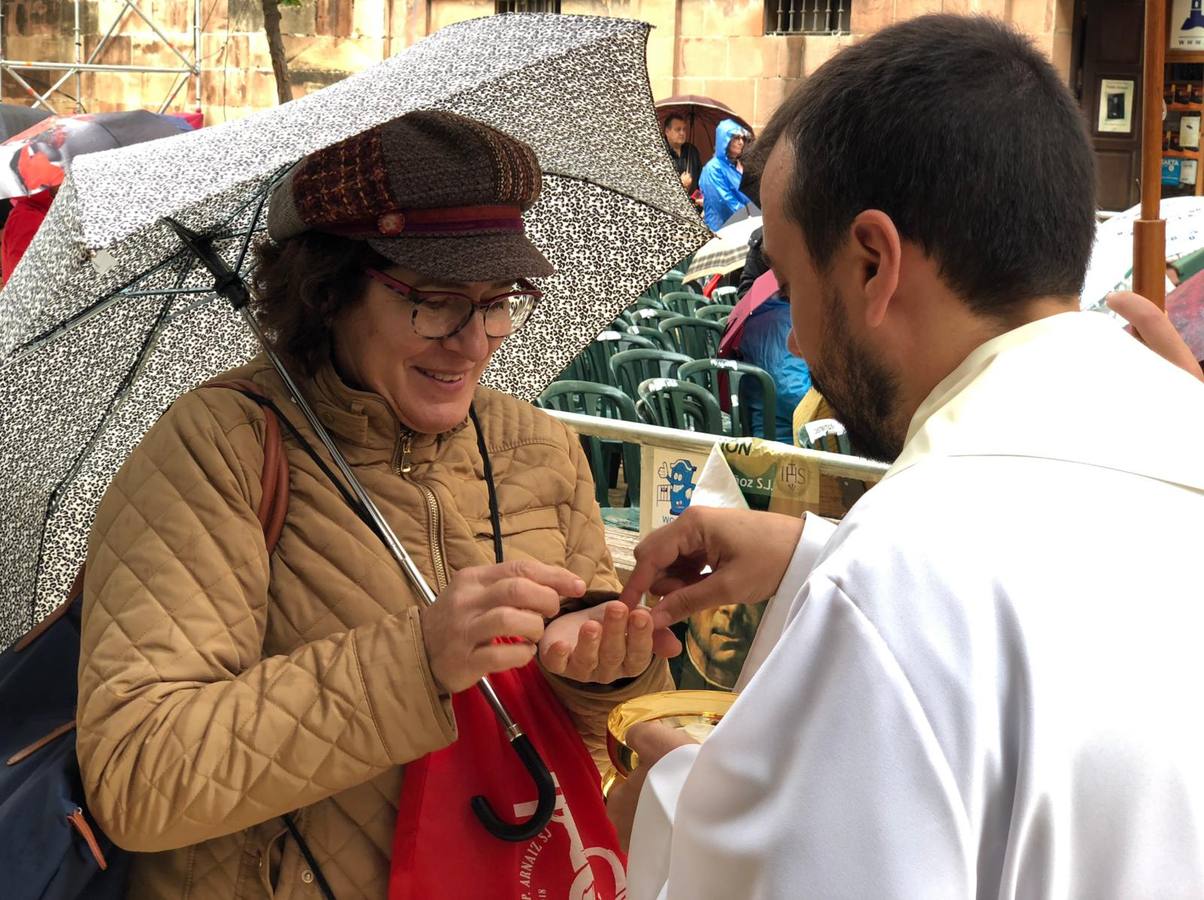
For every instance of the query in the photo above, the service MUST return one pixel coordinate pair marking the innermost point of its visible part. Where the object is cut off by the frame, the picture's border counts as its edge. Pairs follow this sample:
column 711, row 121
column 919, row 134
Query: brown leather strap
column 85, row 830
column 41, row 742
column 273, row 505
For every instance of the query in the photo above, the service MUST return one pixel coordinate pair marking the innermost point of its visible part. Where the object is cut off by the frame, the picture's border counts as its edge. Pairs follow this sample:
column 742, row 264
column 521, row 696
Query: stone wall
column 712, row 47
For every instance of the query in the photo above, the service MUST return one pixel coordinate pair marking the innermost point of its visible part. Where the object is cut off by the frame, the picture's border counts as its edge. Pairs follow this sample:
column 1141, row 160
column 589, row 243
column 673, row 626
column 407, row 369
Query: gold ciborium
column 695, row 712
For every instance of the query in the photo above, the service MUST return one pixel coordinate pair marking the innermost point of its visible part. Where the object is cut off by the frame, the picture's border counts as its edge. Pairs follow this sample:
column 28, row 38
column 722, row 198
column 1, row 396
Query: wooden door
column 1112, row 50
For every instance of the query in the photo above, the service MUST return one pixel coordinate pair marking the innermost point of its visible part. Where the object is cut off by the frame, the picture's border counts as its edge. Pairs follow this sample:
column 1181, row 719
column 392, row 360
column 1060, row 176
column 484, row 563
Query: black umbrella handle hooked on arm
column 231, row 286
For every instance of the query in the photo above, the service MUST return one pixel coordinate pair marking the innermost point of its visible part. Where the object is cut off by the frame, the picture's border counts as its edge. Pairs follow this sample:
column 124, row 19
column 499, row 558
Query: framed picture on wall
column 1116, row 106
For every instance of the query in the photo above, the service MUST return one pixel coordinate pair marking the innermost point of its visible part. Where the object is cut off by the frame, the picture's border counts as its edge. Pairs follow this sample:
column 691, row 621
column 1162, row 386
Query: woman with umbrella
column 223, row 687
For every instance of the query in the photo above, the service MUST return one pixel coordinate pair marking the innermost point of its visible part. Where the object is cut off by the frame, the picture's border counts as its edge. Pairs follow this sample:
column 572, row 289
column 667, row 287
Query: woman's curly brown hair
column 303, row 284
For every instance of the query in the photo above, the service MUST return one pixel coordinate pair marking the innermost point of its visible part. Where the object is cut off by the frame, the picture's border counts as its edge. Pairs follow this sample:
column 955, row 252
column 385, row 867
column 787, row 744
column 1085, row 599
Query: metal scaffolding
column 189, row 69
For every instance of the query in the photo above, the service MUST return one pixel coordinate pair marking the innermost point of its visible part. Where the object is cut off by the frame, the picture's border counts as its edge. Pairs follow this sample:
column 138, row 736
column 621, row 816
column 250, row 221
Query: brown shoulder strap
column 274, row 504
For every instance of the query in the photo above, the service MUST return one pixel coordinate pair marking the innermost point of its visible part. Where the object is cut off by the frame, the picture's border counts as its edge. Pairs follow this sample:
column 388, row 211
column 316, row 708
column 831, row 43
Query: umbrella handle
column 546, row 803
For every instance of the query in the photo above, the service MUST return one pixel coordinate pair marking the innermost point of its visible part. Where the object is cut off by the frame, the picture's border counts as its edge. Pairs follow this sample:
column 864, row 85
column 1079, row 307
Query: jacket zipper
column 400, row 463
column 434, row 516
column 434, row 521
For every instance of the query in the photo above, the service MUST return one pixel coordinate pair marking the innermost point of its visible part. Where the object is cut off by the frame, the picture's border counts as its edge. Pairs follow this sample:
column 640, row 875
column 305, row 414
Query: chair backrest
column 714, row 312
column 633, row 338
column 630, row 367
column 647, row 303
column 652, row 318
column 660, row 340
column 726, row 294
column 622, row 321
column 670, row 281
column 599, row 352
column 697, row 338
column 680, row 404
column 737, row 383
column 607, row 402
column 824, row 434
column 683, row 302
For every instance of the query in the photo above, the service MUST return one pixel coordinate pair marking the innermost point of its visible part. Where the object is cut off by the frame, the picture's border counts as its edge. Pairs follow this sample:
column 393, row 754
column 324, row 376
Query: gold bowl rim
column 705, row 706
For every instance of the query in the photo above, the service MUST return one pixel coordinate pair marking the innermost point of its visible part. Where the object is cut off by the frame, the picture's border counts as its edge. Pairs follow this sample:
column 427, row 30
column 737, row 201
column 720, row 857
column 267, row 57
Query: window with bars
column 526, row 6
column 807, row 16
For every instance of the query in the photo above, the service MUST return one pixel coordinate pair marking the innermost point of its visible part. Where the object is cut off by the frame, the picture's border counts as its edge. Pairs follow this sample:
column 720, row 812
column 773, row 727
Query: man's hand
column 603, row 643
column 651, row 741
column 1154, row 328
column 482, row 603
column 747, row 552
column 686, row 180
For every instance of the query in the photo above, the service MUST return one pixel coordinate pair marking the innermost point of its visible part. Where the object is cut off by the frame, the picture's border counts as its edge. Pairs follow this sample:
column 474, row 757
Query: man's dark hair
column 670, row 119
column 963, row 133
column 303, row 283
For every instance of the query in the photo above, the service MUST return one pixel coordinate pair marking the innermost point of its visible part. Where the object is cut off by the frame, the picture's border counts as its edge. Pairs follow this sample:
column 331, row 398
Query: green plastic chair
column 575, row 370
column 737, row 382
column 726, row 294
column 606, row 402
column 679, row 404
column 599, row 352
column 646, row 303
column 697, row 338
column 634, row 366
column 824, row 434
column 657, row 338
column 683, row 302
column 670, row 281
column 649, row 317
column 715, row 312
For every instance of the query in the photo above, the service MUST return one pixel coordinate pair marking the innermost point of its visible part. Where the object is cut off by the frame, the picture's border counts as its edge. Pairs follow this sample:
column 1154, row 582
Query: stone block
column 768, row 96
column 736, row 93
column 819, row 49
column 734, row 18
column 791, row 50
column 702, row 56
column 753, row 57
column 333, row 17
column 330, row 54
column 869, row 16
column 371, row 18
column 447, row 12
column 690, row 85
column 691, row 18
column 1062, row 50
column 910, row 9
column 246, row 15
column 1033, row 17
column 301, row 19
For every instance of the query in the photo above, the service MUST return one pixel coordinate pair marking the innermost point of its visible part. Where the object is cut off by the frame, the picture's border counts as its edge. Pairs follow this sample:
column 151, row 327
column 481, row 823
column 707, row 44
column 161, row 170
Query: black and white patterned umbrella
column 107, row 319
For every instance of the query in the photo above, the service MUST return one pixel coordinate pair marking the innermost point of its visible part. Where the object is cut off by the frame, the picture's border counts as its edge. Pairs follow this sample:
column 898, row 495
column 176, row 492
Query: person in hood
column 721, row 176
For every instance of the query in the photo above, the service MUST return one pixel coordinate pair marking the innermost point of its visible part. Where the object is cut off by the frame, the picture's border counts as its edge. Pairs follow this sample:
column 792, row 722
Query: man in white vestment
column 987, row 681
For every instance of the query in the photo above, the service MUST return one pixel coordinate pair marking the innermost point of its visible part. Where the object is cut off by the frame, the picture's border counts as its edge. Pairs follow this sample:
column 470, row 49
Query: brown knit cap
column 432, row 191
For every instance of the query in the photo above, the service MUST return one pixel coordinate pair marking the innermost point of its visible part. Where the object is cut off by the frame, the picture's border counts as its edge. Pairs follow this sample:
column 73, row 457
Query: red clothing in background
column 23, row 223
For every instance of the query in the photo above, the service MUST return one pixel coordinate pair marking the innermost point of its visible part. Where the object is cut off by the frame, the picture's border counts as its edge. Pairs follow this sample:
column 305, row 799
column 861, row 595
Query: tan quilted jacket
column 220, row 688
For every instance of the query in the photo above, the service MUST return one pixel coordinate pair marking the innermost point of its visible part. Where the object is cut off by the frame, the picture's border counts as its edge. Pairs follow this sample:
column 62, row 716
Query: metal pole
column 79, row 58
column 196, row 52
column 91, row 67
column 1149, row 231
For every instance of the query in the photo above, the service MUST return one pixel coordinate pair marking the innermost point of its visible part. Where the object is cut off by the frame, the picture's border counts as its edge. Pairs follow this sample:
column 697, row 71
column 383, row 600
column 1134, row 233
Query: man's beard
column 862, row 392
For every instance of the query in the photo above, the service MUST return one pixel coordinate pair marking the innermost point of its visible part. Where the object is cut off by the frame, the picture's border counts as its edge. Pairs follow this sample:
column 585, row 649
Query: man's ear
column 878, row 252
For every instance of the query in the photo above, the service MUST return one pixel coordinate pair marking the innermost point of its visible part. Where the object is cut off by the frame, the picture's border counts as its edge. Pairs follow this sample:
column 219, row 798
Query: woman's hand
column 651, row 741
column 482, row 603
column 599, row 644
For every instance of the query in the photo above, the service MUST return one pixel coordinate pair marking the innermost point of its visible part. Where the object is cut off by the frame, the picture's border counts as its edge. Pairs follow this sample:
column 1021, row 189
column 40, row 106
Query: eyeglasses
column 441, row 314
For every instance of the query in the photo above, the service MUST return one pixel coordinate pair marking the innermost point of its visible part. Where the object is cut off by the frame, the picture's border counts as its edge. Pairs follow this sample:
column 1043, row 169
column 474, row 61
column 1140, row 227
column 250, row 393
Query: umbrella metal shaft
column 399, row 552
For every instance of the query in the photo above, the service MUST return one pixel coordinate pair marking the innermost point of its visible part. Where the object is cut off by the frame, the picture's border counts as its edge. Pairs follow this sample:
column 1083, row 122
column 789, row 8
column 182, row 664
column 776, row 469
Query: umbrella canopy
column 38, row 157
column 107, row 319
column 762, row 289
column 15, row 118
column 725, row 252
column 1111, row 267
column 703, row 116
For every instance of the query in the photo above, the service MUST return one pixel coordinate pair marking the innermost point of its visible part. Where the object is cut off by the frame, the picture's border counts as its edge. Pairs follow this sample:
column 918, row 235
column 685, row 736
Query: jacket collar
column 365, row 425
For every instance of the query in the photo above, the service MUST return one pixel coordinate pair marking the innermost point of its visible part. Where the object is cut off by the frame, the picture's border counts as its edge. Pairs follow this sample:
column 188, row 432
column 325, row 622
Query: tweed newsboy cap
column 432, row 191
